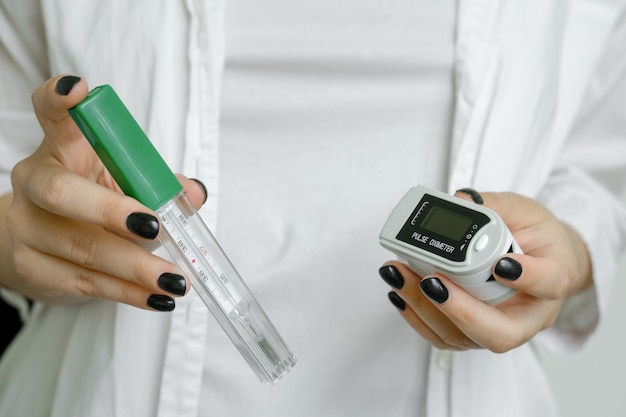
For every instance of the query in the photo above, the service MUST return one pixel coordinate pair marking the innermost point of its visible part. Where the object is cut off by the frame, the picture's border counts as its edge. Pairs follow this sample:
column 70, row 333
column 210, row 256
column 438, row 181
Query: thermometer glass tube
column 142, row 174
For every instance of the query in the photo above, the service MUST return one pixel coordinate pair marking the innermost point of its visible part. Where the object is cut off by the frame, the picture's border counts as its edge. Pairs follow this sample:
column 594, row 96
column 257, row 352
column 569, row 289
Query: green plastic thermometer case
column 438, row 233
column 141, row 173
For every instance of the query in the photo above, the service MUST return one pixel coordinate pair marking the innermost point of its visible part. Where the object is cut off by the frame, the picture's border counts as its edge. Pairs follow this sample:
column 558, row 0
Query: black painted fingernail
column 508, row 268
column 434, row 289
column 65, row 84
column 161, row 302
column 475, row 195
column 143, row 225
column 391, row 276
column 172, row 283
column 396, row 301
column 204, row 190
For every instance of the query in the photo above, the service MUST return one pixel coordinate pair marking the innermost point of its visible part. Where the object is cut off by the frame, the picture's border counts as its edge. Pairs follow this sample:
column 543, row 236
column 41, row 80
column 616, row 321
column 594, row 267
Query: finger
column 469, row 194
column 51, row 102
column 63, row 140
column 520, row 213
column 414, row 320
column 62, row 192
column 540, row 277
column 545, row 271
column 450, row 334
column 423, row 316
column 195, row 189
column 62, row 281
column 94, row 248
column 498, row 329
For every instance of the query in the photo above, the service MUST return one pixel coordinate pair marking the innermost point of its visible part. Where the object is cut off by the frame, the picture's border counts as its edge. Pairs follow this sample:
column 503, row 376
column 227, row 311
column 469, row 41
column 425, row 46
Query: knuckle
column 140, row 270
column 85, row 283
column 107, row 209
column 12, row 220
column 455, row 339
column 24, row 266
column 19, row 173
column 561, row 286
column 440, row 344
column 22, row 261
column 557, row 288
column 54, row 191
column 499, row 348
column 505, row 343
column 84, row 249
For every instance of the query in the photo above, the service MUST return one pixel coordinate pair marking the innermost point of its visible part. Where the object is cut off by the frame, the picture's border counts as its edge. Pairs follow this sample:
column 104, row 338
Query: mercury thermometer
column 438, row 233
column 142, row 174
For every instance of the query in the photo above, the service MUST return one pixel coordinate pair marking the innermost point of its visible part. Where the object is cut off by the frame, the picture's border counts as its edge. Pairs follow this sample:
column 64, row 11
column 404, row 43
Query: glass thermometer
column 142, row 174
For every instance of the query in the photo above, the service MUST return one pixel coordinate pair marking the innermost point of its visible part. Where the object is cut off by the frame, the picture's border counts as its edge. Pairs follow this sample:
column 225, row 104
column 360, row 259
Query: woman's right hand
column 70, row 233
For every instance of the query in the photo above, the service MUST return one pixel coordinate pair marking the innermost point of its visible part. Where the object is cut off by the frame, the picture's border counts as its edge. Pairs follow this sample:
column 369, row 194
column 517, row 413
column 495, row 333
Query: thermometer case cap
column 124, row 148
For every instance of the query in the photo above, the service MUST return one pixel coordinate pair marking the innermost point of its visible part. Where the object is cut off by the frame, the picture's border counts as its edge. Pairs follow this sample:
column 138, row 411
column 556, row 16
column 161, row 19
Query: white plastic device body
column 434, row 232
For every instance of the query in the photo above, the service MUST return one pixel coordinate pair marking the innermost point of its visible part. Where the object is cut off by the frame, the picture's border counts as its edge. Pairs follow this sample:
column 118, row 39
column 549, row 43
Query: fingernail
column 396, row 301
column 65, row 84
column 508, row 268
column 204, row 190
column 172, row 283
column 143, row 225
column 475, row 195
column 391, row 276
column 161, row 302
column 434, row 289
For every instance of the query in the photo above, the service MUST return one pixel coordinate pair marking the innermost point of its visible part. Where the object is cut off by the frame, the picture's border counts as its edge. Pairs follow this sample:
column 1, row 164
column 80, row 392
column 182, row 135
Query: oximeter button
column 481, row 243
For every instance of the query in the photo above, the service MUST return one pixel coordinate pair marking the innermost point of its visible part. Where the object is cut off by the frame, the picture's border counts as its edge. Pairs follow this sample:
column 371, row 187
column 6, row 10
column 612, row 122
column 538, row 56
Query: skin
column 555, row 265
column 63, row 234
column 63, row 238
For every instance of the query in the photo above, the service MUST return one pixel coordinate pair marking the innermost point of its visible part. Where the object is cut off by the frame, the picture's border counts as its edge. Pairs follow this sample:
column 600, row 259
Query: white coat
column 539, row 88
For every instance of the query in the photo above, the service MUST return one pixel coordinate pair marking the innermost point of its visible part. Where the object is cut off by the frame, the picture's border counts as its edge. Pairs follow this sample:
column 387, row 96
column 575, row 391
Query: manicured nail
column 143, row 225
column 396, row 301
column 172, row 283
column 508, row 268
column 161, row 302
column 391, row 276
column 65, row 84
column 204, row 190
column 475, row 195
column 434, row 289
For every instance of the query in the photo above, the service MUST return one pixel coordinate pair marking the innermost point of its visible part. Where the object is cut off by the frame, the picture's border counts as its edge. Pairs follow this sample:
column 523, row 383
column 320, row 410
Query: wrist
column 584, row 269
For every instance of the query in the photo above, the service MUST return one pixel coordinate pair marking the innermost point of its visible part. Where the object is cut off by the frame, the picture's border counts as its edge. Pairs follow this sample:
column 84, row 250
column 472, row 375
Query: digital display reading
column 446, row 223
column 442, row 227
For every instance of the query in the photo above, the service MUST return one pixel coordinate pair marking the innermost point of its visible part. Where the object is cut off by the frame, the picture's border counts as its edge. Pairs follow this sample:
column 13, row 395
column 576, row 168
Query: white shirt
column 329, row 113
column 531, row 102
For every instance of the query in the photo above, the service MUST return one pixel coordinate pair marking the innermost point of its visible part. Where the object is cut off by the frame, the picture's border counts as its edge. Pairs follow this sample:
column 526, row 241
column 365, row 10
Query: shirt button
column 444, row 360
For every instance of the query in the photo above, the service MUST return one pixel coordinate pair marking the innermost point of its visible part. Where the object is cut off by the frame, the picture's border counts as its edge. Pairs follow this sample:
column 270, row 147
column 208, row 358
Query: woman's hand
column 555, row 264
column 69, row 233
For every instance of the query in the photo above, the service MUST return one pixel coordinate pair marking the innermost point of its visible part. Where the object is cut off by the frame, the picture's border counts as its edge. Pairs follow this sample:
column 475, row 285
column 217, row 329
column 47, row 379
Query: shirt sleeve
column 23, row 66
column 587, row 190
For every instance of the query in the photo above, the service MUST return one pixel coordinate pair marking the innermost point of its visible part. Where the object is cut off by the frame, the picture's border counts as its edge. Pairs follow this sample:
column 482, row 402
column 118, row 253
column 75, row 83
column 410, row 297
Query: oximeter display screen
column 446, row 223
column 442, row 227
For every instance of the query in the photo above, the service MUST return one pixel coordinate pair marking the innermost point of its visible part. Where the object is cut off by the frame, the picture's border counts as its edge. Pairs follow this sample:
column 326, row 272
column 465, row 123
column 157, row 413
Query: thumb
column 51, row 101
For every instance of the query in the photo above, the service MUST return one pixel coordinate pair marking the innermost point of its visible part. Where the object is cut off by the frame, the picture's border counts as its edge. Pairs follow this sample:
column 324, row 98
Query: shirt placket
column 183, row 368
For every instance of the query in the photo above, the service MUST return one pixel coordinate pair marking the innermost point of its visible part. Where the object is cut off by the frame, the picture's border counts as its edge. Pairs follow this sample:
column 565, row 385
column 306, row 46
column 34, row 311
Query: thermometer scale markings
column 226, row 295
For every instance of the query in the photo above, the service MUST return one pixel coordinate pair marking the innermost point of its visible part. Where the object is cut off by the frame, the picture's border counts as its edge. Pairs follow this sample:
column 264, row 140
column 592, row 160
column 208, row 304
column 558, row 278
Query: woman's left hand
column 555, row 264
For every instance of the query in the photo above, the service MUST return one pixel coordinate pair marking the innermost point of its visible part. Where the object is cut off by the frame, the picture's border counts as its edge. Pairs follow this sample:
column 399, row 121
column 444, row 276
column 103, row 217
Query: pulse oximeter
column 434, row 232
